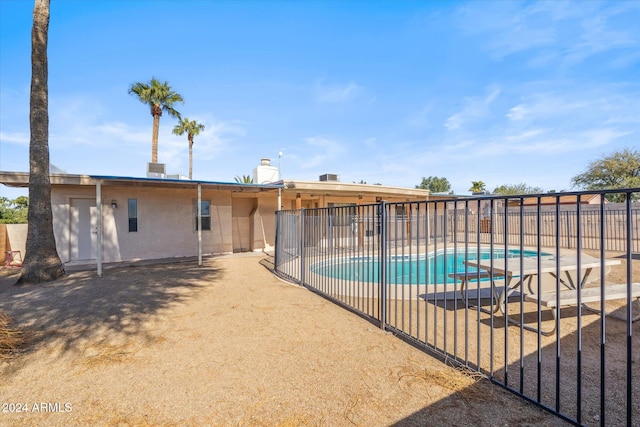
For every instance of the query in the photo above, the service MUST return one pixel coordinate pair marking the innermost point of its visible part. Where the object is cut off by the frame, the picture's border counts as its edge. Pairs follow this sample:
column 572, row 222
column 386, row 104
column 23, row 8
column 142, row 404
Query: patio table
column 520, row 270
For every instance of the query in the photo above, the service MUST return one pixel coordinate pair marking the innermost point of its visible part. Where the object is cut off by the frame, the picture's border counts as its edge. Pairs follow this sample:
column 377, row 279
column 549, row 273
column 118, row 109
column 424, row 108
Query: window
column 133, row 215
column 342, row 213
column 206, row 214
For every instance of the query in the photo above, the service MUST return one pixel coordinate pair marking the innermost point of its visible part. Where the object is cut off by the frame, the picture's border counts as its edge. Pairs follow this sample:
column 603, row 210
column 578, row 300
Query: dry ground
column 174, row 344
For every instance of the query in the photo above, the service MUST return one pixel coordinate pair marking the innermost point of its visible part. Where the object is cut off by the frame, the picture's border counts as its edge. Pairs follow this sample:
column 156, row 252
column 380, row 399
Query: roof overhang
column 21, row 179
column 347, row 189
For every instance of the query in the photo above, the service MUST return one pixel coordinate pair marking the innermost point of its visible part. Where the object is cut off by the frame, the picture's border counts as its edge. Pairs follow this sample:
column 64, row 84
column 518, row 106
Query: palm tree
column 244, row 179
column 41, row 261
column 159, row 97
column 192, row 128
column 477, row 186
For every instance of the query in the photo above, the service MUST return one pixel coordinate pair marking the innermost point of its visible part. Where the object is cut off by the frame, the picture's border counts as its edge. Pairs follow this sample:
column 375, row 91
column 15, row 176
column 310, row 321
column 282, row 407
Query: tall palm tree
column 41, row 261
column 159, row 97
column 191, row 128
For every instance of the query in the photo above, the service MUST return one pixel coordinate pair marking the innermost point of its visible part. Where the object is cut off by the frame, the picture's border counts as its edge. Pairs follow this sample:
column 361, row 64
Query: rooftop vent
column 329, row 177
column 156, row 170
column 176, row 176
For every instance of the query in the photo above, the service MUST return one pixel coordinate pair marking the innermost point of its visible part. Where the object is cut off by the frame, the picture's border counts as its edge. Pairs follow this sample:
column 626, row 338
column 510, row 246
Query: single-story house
column 112, row 218
column 147, row 218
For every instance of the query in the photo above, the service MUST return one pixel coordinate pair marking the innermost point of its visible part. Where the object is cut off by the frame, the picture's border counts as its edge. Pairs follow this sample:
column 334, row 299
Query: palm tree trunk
column 190, row 159
column 154, row 138
column 41, row 262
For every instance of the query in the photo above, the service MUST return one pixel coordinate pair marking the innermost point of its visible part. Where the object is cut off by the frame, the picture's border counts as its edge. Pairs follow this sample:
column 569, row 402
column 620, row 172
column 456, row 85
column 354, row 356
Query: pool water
column 405, row 270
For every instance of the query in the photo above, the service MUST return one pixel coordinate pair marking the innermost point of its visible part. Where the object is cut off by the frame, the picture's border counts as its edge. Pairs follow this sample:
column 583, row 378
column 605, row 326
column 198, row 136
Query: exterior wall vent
column 156, row 170
column 330, row 177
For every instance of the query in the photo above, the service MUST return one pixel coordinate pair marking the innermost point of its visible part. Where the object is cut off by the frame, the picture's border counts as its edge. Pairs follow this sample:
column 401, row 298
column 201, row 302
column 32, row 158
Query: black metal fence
column 507, row 288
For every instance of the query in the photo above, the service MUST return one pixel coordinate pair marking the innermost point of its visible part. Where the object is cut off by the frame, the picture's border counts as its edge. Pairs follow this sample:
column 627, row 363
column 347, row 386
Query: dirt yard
column 174, row 344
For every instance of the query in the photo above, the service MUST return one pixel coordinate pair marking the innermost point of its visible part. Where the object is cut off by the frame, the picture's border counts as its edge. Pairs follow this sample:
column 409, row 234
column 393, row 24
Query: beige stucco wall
column 263, row 221
column 166, row 221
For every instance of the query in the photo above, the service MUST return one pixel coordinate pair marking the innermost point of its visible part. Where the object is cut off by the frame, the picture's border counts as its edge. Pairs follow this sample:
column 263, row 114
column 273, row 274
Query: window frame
column 132, row 226
column 205, row 226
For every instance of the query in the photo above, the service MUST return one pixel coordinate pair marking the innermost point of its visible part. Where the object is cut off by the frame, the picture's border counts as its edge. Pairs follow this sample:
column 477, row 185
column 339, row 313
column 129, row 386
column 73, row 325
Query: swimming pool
column 405, row 270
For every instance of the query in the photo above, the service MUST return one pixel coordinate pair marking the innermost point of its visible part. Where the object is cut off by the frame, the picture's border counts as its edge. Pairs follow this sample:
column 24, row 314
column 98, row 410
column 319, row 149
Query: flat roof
column 21, row 179
column 333, row 187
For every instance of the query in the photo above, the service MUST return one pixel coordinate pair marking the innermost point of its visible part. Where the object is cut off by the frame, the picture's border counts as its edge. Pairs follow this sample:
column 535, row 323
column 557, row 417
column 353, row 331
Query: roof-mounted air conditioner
column 156, row 170
column 329, row 177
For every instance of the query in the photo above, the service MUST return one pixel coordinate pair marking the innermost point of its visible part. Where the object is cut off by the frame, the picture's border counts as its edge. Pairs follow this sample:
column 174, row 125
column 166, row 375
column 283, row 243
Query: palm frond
column 244, row 179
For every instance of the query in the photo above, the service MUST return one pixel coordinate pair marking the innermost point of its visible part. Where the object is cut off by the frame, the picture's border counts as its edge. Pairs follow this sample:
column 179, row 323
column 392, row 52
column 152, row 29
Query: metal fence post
column 629, row 272
column 382, row 285
column 302, row 254
column 276, row 254
column 330, row 231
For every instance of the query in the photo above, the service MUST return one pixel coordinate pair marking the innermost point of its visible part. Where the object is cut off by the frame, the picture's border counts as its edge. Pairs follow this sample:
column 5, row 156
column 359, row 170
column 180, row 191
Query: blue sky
column 386, row 92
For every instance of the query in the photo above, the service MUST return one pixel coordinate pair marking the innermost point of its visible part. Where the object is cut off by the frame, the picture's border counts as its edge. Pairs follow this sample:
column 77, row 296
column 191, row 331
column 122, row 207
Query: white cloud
column 554, row 31
column 517, row 113
column 525, row 135
column 217, row 137
column 336, row 93
column 509, row 28
column 540, row 142
column 576, row 106
column 459, row 146
column 541, row 132
column 453, row 122
column 18, row 138
column 420, row 118
column 370, row 142
column 321, row 150
column 474, row 108
column 79, row 126
column 596, row 37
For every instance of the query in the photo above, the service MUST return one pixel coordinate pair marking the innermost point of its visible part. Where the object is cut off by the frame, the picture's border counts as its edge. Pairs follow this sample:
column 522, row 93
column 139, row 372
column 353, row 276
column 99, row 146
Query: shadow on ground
column 475, row 405
column 574, row 373
column 82, row 306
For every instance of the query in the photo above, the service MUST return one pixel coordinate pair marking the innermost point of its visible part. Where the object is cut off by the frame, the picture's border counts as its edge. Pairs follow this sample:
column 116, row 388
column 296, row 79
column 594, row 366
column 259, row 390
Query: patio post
column 99, row 215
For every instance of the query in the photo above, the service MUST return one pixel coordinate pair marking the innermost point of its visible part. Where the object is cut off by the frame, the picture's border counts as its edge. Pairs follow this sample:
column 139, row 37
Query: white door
column 84, row 229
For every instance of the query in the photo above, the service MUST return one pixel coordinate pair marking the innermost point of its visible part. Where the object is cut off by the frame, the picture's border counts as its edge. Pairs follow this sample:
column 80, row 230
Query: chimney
column 265, row 173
